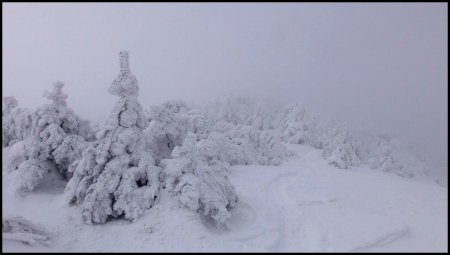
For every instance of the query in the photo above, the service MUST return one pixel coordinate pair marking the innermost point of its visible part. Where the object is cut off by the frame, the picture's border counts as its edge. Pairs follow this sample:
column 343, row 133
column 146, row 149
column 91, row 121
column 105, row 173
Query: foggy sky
column 379, row 67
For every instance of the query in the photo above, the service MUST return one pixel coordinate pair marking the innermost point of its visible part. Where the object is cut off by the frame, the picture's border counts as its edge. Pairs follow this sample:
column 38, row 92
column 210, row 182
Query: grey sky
column 380, row 67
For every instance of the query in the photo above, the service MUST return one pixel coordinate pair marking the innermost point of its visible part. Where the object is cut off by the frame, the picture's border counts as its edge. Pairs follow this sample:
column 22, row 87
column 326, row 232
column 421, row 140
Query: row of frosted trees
column 121, row 169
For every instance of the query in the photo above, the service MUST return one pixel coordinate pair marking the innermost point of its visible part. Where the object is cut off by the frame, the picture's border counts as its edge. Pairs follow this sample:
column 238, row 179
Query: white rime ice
column 116, row 176
column 45, row 140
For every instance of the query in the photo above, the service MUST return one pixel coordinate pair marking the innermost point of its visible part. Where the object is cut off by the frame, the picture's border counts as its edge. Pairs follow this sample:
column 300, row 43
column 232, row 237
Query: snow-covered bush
column 13, row 156
column 39, row 136
column 169, row 125
column 383, row 158
column 391, row 155
column 340, row 148
column 244, row 145
column 117, row 176
column 198, row 178
column 233, row 119
column 31, row 174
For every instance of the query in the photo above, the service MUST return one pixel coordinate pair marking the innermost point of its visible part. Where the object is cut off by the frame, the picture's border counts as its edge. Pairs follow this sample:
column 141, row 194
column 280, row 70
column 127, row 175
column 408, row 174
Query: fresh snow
column 303, row 204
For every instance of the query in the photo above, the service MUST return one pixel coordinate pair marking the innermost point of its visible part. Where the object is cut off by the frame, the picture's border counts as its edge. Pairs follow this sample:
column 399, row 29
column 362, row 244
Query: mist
column 378, row 67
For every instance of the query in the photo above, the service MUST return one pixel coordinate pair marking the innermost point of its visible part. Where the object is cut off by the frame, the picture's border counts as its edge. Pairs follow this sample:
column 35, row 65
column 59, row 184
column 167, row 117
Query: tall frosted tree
column 117, row 176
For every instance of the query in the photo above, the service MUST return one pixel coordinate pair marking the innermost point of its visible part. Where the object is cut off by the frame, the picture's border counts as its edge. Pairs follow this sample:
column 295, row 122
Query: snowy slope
column 302, row 205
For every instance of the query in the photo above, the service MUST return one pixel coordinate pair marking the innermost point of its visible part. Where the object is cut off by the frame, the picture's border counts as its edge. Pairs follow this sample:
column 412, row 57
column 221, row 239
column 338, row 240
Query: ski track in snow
column 385, row 239
column 275, row 189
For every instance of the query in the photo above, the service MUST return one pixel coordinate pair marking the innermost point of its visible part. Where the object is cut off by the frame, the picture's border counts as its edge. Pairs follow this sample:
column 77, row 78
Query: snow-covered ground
column 304, row 204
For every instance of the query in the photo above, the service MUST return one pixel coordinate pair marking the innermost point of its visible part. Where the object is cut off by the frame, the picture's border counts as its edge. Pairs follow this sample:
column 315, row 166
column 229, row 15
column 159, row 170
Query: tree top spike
column 124, row 64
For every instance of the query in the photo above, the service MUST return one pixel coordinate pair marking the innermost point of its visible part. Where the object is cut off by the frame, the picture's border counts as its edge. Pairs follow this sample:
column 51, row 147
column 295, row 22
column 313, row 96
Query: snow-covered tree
column 391, row 155
column 340, row 148
column 16, row 122
column 39, row 135
column 198, row 178
column 57, row 96
column 296, row 126
column 242, row 111
column 194, row 169
column 169, row 125
column 68, row 152
column 117, row 176
column 9, row 103
column 264, row 115
column 244, row 145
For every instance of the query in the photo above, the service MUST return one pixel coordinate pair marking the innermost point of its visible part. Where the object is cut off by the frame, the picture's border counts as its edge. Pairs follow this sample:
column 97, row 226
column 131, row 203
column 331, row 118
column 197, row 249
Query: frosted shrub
column 167, row 128
column 340, row 148
column 169, row 125
column 390, row 155
column 32, row 172
column 243, row 145
column 198, row 178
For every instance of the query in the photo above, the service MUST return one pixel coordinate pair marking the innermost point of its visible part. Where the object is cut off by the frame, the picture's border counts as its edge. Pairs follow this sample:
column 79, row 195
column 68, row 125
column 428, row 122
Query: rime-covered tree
column 193, row 161
column 340, row 148
column 198, row 178
column 40, row 135
column 9, row 103
column 245, row 145
column 117, row 176
column 296, row 126
column 389, row 154
column 16, row 122
column 264, row 115
column 169, row 125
